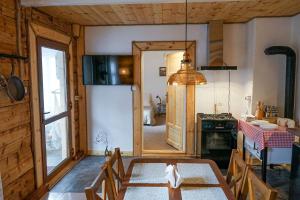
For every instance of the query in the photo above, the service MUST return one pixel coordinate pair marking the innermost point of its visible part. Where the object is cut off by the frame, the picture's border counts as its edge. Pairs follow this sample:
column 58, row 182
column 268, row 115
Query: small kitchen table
column 264, row 140
column 295, row 166
column 202, row 179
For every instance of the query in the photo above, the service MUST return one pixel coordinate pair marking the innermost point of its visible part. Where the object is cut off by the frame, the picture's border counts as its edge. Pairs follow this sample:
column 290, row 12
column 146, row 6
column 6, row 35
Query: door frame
column 35, row 31
column 137, row 48
column 62, row 47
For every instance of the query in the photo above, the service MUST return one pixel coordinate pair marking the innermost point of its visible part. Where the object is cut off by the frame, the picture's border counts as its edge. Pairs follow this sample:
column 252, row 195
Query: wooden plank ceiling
column 173, row 13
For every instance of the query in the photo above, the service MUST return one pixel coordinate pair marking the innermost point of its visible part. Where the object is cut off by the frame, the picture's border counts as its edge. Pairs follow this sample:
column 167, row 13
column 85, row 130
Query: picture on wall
column 162, row 71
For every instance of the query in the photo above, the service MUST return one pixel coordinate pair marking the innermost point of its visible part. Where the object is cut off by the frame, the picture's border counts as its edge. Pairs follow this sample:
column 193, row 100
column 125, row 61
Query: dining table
column 146, row 179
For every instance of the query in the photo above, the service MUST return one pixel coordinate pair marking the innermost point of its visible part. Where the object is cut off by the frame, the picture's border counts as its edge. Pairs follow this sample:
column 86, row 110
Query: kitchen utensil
column 15, row 88
column 259, row 113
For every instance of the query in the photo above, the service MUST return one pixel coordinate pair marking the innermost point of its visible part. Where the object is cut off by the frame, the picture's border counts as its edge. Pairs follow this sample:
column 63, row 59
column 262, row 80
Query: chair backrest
column 236, row 172
column 103, row 177
column 116, row 164
column 254, row 188
column 116, row 171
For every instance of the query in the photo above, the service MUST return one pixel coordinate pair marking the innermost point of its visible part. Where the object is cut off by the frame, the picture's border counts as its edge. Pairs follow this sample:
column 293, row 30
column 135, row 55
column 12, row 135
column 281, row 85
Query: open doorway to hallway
column 164, row 107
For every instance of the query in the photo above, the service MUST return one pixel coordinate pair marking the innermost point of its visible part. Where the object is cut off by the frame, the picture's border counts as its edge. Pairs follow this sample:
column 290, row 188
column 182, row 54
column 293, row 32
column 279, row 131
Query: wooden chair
column 116, row 169
column 236, row 172
column 103, row 177
column 254, row 188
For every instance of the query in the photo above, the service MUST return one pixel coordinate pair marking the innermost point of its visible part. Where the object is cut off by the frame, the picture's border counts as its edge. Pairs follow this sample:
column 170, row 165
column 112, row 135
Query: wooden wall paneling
column 48, row 20
column 16, row 159
column 6, row 101
column 19, row 38
column 137, row 48
column 14, row 116
column 13, row 140
column 10, row 164
column 20, row 188
column 8, row 34
column 16, row 172
column 17, row 166
column 81, row 92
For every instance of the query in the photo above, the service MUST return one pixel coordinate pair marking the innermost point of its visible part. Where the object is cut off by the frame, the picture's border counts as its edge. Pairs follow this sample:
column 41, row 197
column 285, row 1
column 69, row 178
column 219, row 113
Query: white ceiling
column 39, row 3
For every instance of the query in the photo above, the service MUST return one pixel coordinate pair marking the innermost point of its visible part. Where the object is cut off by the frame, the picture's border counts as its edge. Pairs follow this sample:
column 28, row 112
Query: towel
column 173, row 176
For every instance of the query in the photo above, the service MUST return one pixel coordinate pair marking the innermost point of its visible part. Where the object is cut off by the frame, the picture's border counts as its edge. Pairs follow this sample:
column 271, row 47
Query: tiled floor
column 81, row 176
column 73, row 184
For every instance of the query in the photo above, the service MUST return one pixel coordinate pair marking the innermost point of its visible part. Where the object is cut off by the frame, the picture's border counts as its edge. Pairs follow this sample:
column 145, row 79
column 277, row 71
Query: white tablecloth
column 200, row 173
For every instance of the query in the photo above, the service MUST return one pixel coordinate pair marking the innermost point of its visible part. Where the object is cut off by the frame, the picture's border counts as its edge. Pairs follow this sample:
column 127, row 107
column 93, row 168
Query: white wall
column 269, row 71
column 109, row 110
column 153, row 84
column 217, row 89
column 295, row 40
column 258, row 75
column 250, row 59
column 110, row 107
column 118, row 39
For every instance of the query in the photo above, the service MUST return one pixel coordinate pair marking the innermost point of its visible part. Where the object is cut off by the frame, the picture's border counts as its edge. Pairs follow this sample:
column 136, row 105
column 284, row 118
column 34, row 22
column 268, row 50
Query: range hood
column 215, row 48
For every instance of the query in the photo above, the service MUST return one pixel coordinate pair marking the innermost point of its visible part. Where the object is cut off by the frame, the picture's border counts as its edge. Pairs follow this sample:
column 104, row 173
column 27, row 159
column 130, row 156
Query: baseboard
column 101, row 153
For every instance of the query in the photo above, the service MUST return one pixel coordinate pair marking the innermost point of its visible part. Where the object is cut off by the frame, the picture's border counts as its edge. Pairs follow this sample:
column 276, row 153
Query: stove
column 222, row 116
column 216, row 137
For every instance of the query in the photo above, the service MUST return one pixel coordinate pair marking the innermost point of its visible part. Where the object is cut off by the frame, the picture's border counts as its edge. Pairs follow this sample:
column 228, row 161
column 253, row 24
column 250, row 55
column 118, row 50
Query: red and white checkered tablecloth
column 278, row 138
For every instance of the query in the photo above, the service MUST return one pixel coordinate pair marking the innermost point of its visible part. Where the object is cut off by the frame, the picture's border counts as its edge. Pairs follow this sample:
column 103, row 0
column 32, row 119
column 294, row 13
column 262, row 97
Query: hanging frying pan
column 14, row 86
column 3, row 82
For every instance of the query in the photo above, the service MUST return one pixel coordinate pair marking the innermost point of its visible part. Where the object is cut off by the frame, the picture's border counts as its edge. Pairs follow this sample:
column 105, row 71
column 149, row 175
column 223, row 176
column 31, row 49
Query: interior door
column 175, row 106
column 54, row 104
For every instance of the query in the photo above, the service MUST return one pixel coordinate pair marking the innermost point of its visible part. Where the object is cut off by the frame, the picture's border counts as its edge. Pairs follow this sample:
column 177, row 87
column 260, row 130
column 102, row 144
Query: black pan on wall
column 14, row 86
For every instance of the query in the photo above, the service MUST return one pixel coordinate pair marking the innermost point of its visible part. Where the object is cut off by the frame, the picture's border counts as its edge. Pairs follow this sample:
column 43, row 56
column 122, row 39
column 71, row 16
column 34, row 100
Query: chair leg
column 103, row 191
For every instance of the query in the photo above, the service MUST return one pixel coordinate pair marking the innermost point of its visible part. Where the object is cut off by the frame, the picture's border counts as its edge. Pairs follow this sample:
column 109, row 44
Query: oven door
column 217, row 145
column 217, row 140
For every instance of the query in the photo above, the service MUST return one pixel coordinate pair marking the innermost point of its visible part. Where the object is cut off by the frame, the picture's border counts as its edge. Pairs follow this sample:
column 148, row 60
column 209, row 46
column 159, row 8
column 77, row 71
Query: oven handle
column 219, row 127
column 217, row 130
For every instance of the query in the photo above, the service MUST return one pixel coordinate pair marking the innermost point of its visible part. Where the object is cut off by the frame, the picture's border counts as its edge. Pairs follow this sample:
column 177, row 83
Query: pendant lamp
column 187, row 74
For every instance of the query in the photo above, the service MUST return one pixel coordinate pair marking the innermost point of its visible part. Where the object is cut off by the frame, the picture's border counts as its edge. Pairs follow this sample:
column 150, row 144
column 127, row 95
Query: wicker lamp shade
column 187, row 75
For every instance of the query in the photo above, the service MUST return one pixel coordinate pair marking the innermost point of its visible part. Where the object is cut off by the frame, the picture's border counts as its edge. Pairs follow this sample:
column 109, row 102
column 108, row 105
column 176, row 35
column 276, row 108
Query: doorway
column 54, row 105
column 164, row 106
column 137, row 50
